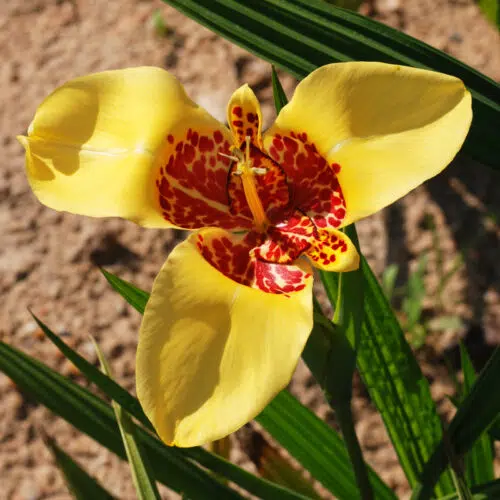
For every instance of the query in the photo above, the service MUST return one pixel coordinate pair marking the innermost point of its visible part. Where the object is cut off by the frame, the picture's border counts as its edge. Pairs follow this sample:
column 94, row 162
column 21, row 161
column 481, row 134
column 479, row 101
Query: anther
column 233, row 158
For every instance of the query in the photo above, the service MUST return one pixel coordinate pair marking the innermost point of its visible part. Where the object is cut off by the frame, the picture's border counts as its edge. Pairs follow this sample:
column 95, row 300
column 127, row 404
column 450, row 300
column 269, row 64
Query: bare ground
column 48, row 260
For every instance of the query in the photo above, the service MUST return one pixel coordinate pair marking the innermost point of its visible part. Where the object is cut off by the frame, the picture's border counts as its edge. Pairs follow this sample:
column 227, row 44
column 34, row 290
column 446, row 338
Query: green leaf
column 142, row 475
column 394, row 381
column 159, row 24
column 253, row 484
column 300, row 35
column 94, row 417
column 461, row 487
column 107, row 385
column 319, row 450
column 494, row 430
column 478, row 411
column 412, row 303
column 479, row 460
column 285, row 418
column 280, row 98
column 81, row 484
column 389, row 277
column 136, row 297
column 348, row 318
column 346, row 4
column 483, row 492
column 491, row 9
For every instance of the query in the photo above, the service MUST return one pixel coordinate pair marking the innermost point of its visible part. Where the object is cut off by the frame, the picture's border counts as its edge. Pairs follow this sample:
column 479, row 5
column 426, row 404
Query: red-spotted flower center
column 272, row 201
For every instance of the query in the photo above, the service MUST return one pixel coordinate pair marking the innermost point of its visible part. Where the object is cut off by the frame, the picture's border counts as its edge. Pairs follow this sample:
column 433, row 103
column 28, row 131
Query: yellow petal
column 332, row 250
column 95, row 144
column 212, row 353
column 244, row 117
column 387, row 128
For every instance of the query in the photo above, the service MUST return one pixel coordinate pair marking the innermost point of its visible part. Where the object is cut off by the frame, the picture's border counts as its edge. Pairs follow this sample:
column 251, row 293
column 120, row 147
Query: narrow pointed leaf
column 142, row 475
column 300, row 35
column 216, row 464
column 479, row 460
column 494, row 430
column 397, row 386
column 482, row 492
column 285, row 418
column 319, row 450
column 107, row 385
column 394, row 381
column 348, row 319
column 136, row 297
column 279, row 96
column 94, row 417
column 80, row 483
column 491, row 9
column 479, row 409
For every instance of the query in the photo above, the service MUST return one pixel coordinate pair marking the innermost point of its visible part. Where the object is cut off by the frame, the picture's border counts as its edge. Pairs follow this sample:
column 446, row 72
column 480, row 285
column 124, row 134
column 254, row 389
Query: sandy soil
column 48, row 259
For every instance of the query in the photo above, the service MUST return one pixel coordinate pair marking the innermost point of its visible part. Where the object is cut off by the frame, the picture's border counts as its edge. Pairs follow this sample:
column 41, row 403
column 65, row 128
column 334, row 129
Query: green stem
column 344, row 418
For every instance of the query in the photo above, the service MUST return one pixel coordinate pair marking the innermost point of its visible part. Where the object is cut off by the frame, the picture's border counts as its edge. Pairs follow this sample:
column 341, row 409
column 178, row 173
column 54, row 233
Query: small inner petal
column 244, row 117
column 287, row 241
column 332, row 250
column 232, row 255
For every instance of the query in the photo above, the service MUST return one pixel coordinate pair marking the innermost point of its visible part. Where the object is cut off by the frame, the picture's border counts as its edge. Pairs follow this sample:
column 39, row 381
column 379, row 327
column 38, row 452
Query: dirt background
column 48, row 259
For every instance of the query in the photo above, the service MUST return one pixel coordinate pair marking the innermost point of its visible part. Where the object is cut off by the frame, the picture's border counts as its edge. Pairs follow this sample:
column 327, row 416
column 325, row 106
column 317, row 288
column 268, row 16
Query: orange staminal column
column 247, row 172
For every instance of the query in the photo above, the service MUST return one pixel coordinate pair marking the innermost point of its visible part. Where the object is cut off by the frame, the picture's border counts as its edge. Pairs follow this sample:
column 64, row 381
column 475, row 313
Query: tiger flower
column 231, row 308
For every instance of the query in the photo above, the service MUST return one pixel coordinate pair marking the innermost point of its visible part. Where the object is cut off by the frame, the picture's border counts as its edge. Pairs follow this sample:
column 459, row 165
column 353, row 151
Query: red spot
column 336, row 200
column 199, row 171
column 289, row 158
column 335, row 167
column 206, row 144
column 189, row 153
column 250, row 132
column 194, row 139
column 251, row 117
column 339, row 213
column 227, row 243
column 218, row 137
column 238, row 111
column 278, row 143
column 170, row 138
column 238, row 123
column 290, row 144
